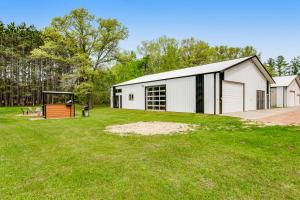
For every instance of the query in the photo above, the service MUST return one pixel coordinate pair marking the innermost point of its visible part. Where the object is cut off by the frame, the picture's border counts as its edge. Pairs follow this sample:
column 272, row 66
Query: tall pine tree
column 281, row 66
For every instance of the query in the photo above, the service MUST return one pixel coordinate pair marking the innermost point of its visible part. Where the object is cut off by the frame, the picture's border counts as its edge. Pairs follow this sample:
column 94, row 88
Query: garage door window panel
column 156, row 98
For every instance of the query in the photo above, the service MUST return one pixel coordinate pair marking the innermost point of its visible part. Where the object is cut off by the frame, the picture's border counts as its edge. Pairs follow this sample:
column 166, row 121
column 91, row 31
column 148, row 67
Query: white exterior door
column 291, row 98
column 118, row 103
column 232, row 97
column 273, row 97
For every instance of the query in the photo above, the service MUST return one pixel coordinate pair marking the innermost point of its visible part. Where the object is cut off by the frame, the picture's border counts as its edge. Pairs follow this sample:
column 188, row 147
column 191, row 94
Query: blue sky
column 272, row 27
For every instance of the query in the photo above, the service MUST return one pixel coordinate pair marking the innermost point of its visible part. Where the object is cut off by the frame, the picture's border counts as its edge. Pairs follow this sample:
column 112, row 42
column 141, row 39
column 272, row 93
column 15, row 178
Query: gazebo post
column 44, row 106
column 73, row 104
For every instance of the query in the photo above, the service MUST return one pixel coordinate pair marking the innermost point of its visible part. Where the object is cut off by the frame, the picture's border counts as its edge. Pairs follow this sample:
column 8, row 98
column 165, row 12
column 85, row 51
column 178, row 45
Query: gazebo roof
column 56, row 92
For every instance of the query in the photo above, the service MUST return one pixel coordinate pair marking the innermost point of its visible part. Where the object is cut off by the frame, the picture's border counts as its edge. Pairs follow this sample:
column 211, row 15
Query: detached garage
column 230, row 86
column 286, row 91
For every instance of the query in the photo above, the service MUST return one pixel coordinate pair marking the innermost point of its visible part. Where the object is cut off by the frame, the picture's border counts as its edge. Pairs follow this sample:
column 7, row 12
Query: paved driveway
column 274, row 116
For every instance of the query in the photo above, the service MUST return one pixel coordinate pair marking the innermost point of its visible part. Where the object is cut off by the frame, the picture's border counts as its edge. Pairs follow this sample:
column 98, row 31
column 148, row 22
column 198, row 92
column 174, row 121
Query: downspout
column 114, row 96
column 215, row 87
column 221, row 77
column 284, row 98
column 268, row 94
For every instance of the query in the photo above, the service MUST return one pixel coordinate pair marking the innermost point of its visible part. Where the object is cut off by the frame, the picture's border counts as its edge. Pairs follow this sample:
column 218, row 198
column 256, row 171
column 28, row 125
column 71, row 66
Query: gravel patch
column 150, row 128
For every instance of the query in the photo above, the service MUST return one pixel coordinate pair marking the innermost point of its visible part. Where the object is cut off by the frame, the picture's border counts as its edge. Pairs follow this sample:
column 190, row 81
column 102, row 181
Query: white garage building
column 286, row 91
column 229, row 86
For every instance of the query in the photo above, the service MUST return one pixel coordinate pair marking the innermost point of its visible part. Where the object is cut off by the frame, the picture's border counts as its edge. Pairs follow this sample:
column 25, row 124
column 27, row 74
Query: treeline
column 21, row 78
column 73, row 53
column 80, row 52
column 280, row 67
column 164, row 54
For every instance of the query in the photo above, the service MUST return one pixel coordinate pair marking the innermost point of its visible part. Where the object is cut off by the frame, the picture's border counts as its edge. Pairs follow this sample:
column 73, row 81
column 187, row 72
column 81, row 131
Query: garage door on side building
column 273, row 97
column 232, row 97
column 291, row 98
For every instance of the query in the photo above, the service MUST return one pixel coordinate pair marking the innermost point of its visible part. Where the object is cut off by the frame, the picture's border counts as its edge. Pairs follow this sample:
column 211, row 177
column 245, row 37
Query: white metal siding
column 232, row 100
column 181, row 94
column 249, row 74
column 138, row 93
column 209, row 93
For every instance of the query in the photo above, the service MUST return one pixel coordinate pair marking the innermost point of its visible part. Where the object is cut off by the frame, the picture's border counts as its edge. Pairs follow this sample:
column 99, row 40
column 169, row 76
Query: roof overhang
column 298, row 80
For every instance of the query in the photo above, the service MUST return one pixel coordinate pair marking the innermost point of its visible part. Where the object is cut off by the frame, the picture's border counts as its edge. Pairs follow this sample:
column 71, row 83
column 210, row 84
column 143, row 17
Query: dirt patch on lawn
column 150, row 128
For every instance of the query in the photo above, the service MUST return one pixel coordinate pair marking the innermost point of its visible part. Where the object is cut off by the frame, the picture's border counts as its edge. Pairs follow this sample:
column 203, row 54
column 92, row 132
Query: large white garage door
column 291, row 98
column 232, row 100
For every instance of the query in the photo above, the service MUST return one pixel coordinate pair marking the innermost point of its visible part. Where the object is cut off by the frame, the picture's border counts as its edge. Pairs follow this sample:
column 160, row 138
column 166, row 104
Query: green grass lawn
column 76, row 159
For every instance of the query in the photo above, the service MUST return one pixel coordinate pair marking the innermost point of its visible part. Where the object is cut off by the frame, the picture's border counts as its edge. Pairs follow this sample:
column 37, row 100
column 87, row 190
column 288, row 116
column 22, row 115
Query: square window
column 131, row 97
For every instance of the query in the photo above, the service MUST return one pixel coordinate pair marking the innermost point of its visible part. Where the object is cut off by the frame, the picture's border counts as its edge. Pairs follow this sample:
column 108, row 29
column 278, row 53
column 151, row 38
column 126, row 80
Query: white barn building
column 286, row 91
column 229, row 86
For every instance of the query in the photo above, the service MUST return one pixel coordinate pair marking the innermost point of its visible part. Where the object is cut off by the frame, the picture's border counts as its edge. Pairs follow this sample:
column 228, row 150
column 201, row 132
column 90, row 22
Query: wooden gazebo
column 62, row 107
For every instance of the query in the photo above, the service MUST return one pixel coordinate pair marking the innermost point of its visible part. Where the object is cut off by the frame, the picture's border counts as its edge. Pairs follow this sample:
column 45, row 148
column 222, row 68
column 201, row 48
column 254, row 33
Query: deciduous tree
column 81, row 42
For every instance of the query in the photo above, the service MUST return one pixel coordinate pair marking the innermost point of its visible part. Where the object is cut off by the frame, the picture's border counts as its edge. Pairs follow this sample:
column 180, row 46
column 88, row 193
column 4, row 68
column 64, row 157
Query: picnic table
column 30, row 110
